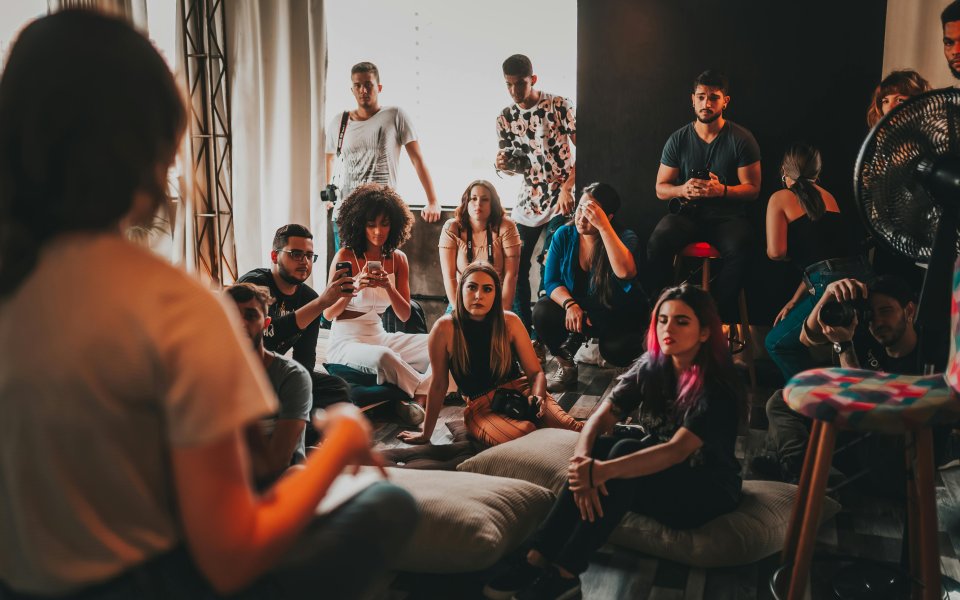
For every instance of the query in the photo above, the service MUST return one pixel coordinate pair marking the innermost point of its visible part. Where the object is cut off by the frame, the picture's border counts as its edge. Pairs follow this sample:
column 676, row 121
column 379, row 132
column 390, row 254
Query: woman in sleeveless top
column 479, row 230
column 480, row 345
column 374, row 222
column 804, row 226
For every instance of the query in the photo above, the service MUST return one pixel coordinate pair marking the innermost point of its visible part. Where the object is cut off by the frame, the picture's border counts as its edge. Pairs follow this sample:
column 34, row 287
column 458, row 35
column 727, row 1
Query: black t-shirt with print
column 872, row 355
column 714, row 421
column 283, row 333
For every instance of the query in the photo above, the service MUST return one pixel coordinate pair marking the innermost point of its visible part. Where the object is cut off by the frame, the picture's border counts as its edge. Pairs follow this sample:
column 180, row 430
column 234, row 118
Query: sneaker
column 540, row 349
column 564, row 378
column 410, row 413
column 551, row 586
column 519, row 575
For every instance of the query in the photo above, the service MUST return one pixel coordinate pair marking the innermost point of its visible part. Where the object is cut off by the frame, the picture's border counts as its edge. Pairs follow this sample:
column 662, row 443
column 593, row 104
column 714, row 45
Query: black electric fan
column 907, row 187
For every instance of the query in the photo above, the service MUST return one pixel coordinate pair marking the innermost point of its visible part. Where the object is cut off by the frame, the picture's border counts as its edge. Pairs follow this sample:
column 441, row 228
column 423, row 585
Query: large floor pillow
column 754, row 531
column 468, row 521
column 540, row 457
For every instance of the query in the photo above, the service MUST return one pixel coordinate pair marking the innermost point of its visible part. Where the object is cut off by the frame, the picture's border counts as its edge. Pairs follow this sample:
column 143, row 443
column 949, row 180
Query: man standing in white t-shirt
column 535, row 134
column 367, row 144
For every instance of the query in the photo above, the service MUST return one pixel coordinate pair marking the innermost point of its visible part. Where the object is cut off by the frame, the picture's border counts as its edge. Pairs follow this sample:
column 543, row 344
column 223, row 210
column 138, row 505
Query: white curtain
column 276, row 56
column 913, row 40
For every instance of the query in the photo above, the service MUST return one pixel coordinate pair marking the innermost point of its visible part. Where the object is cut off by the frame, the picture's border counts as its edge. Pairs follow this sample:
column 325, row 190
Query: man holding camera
column 887, row 308
column 709, row 169
column 535, row 135
column 367, row 141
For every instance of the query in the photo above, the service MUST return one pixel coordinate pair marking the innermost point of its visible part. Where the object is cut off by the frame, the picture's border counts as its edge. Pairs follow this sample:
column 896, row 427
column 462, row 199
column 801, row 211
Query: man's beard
column 711, row 118
column 257, row 342
column 956, row 73
column 287, row 276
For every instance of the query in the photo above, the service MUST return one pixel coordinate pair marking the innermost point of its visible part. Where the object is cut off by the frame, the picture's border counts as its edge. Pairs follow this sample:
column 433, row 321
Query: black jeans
column 528, row 240
column 729, row 233
column 620, row 342
column 339, row 555
column 679, row 497
column 327, row 390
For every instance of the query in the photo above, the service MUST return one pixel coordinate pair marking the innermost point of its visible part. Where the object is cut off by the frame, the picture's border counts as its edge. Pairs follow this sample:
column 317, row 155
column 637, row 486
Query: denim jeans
column 783, row 342
column 522, row 304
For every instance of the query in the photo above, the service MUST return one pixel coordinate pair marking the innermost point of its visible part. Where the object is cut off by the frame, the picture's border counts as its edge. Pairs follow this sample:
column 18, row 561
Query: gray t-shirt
column 294, row 389
column 371, row 149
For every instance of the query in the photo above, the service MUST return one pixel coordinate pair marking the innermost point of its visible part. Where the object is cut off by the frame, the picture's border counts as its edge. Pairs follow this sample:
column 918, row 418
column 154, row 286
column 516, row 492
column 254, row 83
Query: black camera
column 516, row 160
column 568, row 349
column 840, row 314
column 513, row 404
column 329, row 193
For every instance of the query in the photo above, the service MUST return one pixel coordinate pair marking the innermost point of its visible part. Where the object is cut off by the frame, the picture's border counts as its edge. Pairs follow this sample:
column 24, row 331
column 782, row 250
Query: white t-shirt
column 111, row 357
column 371, row 149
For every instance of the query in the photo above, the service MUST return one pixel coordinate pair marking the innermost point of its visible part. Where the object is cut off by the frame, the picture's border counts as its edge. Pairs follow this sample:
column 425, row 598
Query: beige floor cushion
column 755, row 530
column 467, row 520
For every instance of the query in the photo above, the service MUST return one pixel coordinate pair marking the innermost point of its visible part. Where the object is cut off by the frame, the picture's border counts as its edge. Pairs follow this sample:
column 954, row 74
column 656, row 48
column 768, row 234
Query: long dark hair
column 801, row 162
column 501, row 356
column 462, row 215
column 89, row 115
column 600, row 267
column 712, row 361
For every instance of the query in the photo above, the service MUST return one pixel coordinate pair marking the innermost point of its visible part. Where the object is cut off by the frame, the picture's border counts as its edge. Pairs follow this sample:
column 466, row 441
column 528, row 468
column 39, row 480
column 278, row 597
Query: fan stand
column 868, row 579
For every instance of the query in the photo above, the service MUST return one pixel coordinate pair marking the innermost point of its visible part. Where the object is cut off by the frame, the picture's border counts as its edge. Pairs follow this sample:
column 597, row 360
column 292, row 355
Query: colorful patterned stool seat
column 871, row 400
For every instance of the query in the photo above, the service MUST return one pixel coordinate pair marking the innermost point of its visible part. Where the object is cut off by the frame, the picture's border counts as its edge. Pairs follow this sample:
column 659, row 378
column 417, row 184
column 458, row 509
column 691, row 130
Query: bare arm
column 777, row 228
column 439, row 347
column 666, row 189
column 600, row 422
column 283, row 442
column 236, row 536
column 448, row 270
column 334, row 310
column 329, row 160
column 431, row 212
column 511, row 259
column 844, row 290
column 749, row 187
column 400, row 294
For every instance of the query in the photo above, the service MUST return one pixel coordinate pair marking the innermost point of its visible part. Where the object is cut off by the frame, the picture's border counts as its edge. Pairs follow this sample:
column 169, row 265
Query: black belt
column 847, row 263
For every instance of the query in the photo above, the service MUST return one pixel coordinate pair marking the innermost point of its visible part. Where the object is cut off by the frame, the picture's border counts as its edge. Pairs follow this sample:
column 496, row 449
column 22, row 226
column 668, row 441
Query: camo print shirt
column 541, row 133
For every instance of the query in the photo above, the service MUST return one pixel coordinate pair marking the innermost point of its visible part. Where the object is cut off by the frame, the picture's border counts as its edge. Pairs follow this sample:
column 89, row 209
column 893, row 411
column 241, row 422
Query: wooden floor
column 866, row 527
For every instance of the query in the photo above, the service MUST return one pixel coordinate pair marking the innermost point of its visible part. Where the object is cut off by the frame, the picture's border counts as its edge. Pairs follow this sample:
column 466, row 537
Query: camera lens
column 837, row 314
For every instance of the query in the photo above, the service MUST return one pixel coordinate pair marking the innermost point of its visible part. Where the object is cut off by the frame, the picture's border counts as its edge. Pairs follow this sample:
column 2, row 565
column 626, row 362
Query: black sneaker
column 519, row 575
column 551, row 586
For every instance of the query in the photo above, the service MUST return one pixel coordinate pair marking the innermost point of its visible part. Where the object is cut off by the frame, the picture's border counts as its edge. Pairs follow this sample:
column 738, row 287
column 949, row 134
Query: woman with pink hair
column 677, row 467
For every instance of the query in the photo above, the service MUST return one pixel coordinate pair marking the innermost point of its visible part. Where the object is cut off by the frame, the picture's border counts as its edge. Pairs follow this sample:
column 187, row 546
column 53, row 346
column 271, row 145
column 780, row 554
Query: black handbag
column 513, row 404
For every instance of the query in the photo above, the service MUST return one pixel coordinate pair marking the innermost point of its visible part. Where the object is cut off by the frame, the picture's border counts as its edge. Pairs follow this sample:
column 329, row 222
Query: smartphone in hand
column 346, row 264
column 374, row 266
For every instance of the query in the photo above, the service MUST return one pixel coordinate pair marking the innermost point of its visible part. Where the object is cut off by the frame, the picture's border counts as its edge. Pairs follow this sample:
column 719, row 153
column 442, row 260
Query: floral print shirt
column 542, row 133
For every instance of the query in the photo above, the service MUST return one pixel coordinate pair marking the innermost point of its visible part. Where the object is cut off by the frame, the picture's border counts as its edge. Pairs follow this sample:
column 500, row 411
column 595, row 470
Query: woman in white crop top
column 374, row 222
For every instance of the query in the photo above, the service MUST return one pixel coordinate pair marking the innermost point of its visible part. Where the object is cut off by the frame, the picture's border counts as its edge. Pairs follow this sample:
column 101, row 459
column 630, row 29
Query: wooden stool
column 742, row 340
column 879, row 402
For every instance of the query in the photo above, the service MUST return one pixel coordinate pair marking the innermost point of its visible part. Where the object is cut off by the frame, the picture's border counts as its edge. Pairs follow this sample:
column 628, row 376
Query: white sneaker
column 410, row 413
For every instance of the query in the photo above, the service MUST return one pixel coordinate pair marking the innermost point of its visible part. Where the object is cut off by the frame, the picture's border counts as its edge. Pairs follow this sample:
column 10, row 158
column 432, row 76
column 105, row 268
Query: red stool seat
column 700, row 250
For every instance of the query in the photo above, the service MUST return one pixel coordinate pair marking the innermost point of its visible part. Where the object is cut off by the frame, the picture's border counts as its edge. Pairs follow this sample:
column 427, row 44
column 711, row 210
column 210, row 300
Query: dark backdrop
column 799, row 71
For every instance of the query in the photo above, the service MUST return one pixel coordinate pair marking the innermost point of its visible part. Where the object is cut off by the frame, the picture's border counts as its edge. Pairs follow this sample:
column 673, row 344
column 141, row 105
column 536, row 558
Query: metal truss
column 210, row 148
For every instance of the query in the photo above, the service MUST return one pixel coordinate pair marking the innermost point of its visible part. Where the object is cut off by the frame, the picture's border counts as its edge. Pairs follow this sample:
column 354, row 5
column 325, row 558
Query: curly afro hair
column 366, row 203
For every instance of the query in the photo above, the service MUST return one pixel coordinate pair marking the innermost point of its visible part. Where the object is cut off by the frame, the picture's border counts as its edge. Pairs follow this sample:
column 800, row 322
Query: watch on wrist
column 841, row 347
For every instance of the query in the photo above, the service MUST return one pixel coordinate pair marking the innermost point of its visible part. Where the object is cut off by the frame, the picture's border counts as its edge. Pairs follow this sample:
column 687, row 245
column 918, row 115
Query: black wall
column 798, row 71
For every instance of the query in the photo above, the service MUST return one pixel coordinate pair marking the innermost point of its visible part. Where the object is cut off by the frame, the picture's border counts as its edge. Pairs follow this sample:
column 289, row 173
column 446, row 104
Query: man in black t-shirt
column 887, row 342
column 294, row 322
column 709, row 169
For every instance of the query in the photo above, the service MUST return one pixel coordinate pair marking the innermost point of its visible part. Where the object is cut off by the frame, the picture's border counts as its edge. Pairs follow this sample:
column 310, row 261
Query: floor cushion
column 468, row 521
column 756, row 529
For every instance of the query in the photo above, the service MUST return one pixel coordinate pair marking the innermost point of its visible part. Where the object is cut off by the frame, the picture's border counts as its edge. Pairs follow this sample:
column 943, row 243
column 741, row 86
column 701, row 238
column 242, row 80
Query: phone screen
column 374, row 265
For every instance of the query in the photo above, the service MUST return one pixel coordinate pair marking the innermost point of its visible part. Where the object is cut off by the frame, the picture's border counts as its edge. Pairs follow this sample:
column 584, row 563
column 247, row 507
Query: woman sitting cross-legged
column 374, row 222
column 479, row 230
column 592, row 290
column 480, row 345
column 681, row 470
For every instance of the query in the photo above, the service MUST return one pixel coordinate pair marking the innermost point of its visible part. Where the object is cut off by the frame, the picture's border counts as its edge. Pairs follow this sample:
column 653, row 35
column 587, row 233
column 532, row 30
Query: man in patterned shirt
column 535, row 134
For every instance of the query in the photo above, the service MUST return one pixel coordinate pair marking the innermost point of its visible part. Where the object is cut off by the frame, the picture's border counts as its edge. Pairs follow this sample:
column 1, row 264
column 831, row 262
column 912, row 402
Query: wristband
column 724, row 190
column 590, row 471
column 568, row 302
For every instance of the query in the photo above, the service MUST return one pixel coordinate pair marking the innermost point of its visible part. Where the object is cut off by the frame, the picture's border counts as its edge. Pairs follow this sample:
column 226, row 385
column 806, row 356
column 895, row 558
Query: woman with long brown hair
column 480, row 345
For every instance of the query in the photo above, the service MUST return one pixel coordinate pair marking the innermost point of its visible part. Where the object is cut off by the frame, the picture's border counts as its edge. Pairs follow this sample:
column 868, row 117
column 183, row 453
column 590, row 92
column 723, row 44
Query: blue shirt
column 560, row 269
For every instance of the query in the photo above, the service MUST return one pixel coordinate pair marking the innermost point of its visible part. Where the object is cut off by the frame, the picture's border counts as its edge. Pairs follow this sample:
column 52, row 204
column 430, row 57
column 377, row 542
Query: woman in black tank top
column 804, row 226
column 490, row 356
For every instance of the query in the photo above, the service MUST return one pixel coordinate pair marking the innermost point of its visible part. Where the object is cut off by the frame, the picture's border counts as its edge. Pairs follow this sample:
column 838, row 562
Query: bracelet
column 590, row 471
column 568, row 302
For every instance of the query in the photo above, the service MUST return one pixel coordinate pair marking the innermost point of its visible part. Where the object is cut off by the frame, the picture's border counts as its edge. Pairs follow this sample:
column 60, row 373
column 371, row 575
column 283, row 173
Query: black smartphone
column 346, row 264
column 701, row 174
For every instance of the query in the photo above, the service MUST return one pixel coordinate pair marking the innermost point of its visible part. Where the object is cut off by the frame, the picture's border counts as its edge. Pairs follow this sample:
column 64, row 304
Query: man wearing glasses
column 294, row 321
column 365, row 144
